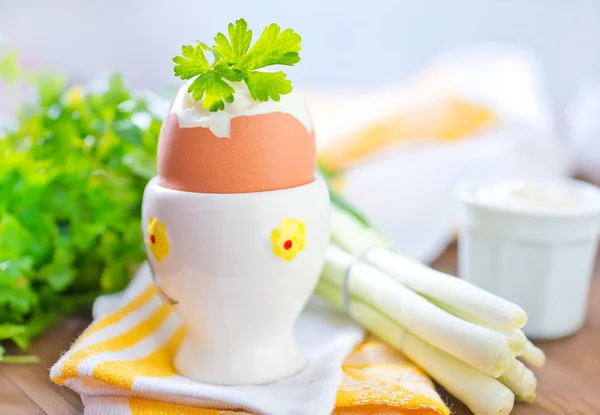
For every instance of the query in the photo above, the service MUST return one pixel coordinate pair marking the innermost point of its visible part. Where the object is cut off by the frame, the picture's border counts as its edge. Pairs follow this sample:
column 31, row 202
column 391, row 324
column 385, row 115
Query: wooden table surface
column 569, row 383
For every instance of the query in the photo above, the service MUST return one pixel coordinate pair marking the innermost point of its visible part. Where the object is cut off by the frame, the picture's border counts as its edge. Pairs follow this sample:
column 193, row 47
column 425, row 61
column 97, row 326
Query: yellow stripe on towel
column 379, row 380
column 145, row 407
column 116, row 316
column 158, row 363
column 114, row 344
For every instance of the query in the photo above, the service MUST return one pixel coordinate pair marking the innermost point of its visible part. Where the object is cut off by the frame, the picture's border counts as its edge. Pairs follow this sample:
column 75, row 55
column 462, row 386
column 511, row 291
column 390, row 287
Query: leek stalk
column 516, row 337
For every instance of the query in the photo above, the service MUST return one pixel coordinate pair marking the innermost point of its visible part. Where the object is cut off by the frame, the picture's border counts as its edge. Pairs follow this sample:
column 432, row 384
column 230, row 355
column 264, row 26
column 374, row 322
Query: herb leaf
column 211, row 86
column 240, row 36
column 273, row 48
column 192, row 63
column 265, row 85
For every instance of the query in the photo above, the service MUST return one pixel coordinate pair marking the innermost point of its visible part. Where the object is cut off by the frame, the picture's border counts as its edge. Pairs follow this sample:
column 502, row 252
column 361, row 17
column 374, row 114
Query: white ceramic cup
column 240, row 268
column 536, row 250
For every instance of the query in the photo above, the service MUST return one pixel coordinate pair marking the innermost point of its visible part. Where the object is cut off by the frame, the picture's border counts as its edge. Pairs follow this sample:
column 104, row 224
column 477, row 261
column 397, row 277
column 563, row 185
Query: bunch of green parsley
column 72, row 173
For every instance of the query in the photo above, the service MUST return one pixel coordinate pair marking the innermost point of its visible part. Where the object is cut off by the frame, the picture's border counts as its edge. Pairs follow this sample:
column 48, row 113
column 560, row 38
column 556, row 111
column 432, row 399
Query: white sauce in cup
column 529, row 196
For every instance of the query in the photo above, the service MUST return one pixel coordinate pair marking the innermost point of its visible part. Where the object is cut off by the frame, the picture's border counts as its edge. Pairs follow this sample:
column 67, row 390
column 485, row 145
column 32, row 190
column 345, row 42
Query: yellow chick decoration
column 288, row 239
column 157, row 239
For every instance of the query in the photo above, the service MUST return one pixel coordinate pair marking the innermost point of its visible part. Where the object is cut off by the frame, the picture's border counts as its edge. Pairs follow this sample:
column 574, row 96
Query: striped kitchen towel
column 122, row 365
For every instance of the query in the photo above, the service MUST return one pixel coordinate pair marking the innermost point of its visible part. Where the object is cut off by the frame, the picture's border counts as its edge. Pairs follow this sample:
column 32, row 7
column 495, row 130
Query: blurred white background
column 346, row 42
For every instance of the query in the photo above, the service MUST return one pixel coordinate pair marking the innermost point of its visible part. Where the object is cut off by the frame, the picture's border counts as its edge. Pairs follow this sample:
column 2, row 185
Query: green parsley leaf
column 273, row 48
column 212, row 89
column 235, row 61
column 265, row 85
column 227, row 72
column 240, row 36
column 192, row 63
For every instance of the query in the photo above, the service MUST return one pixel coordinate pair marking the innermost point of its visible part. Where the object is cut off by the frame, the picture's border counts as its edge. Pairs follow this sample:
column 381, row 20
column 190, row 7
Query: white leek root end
column 533, row 355
column 520, row 380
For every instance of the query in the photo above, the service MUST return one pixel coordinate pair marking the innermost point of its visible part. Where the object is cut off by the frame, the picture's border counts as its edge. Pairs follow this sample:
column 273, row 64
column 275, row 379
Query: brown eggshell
column 265, row 152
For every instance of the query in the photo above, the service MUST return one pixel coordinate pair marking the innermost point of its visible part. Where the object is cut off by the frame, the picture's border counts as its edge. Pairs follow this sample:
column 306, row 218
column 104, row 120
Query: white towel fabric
column 326, row 335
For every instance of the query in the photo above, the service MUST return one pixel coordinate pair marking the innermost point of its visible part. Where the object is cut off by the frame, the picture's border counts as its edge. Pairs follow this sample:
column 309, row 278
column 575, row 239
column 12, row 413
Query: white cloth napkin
column 106, row 371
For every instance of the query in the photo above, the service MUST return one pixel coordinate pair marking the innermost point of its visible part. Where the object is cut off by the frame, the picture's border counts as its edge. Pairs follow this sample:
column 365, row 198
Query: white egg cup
column 237, row 290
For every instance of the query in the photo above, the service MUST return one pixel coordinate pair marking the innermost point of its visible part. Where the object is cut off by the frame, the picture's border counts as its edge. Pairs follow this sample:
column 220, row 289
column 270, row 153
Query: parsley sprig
column 235, row 61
